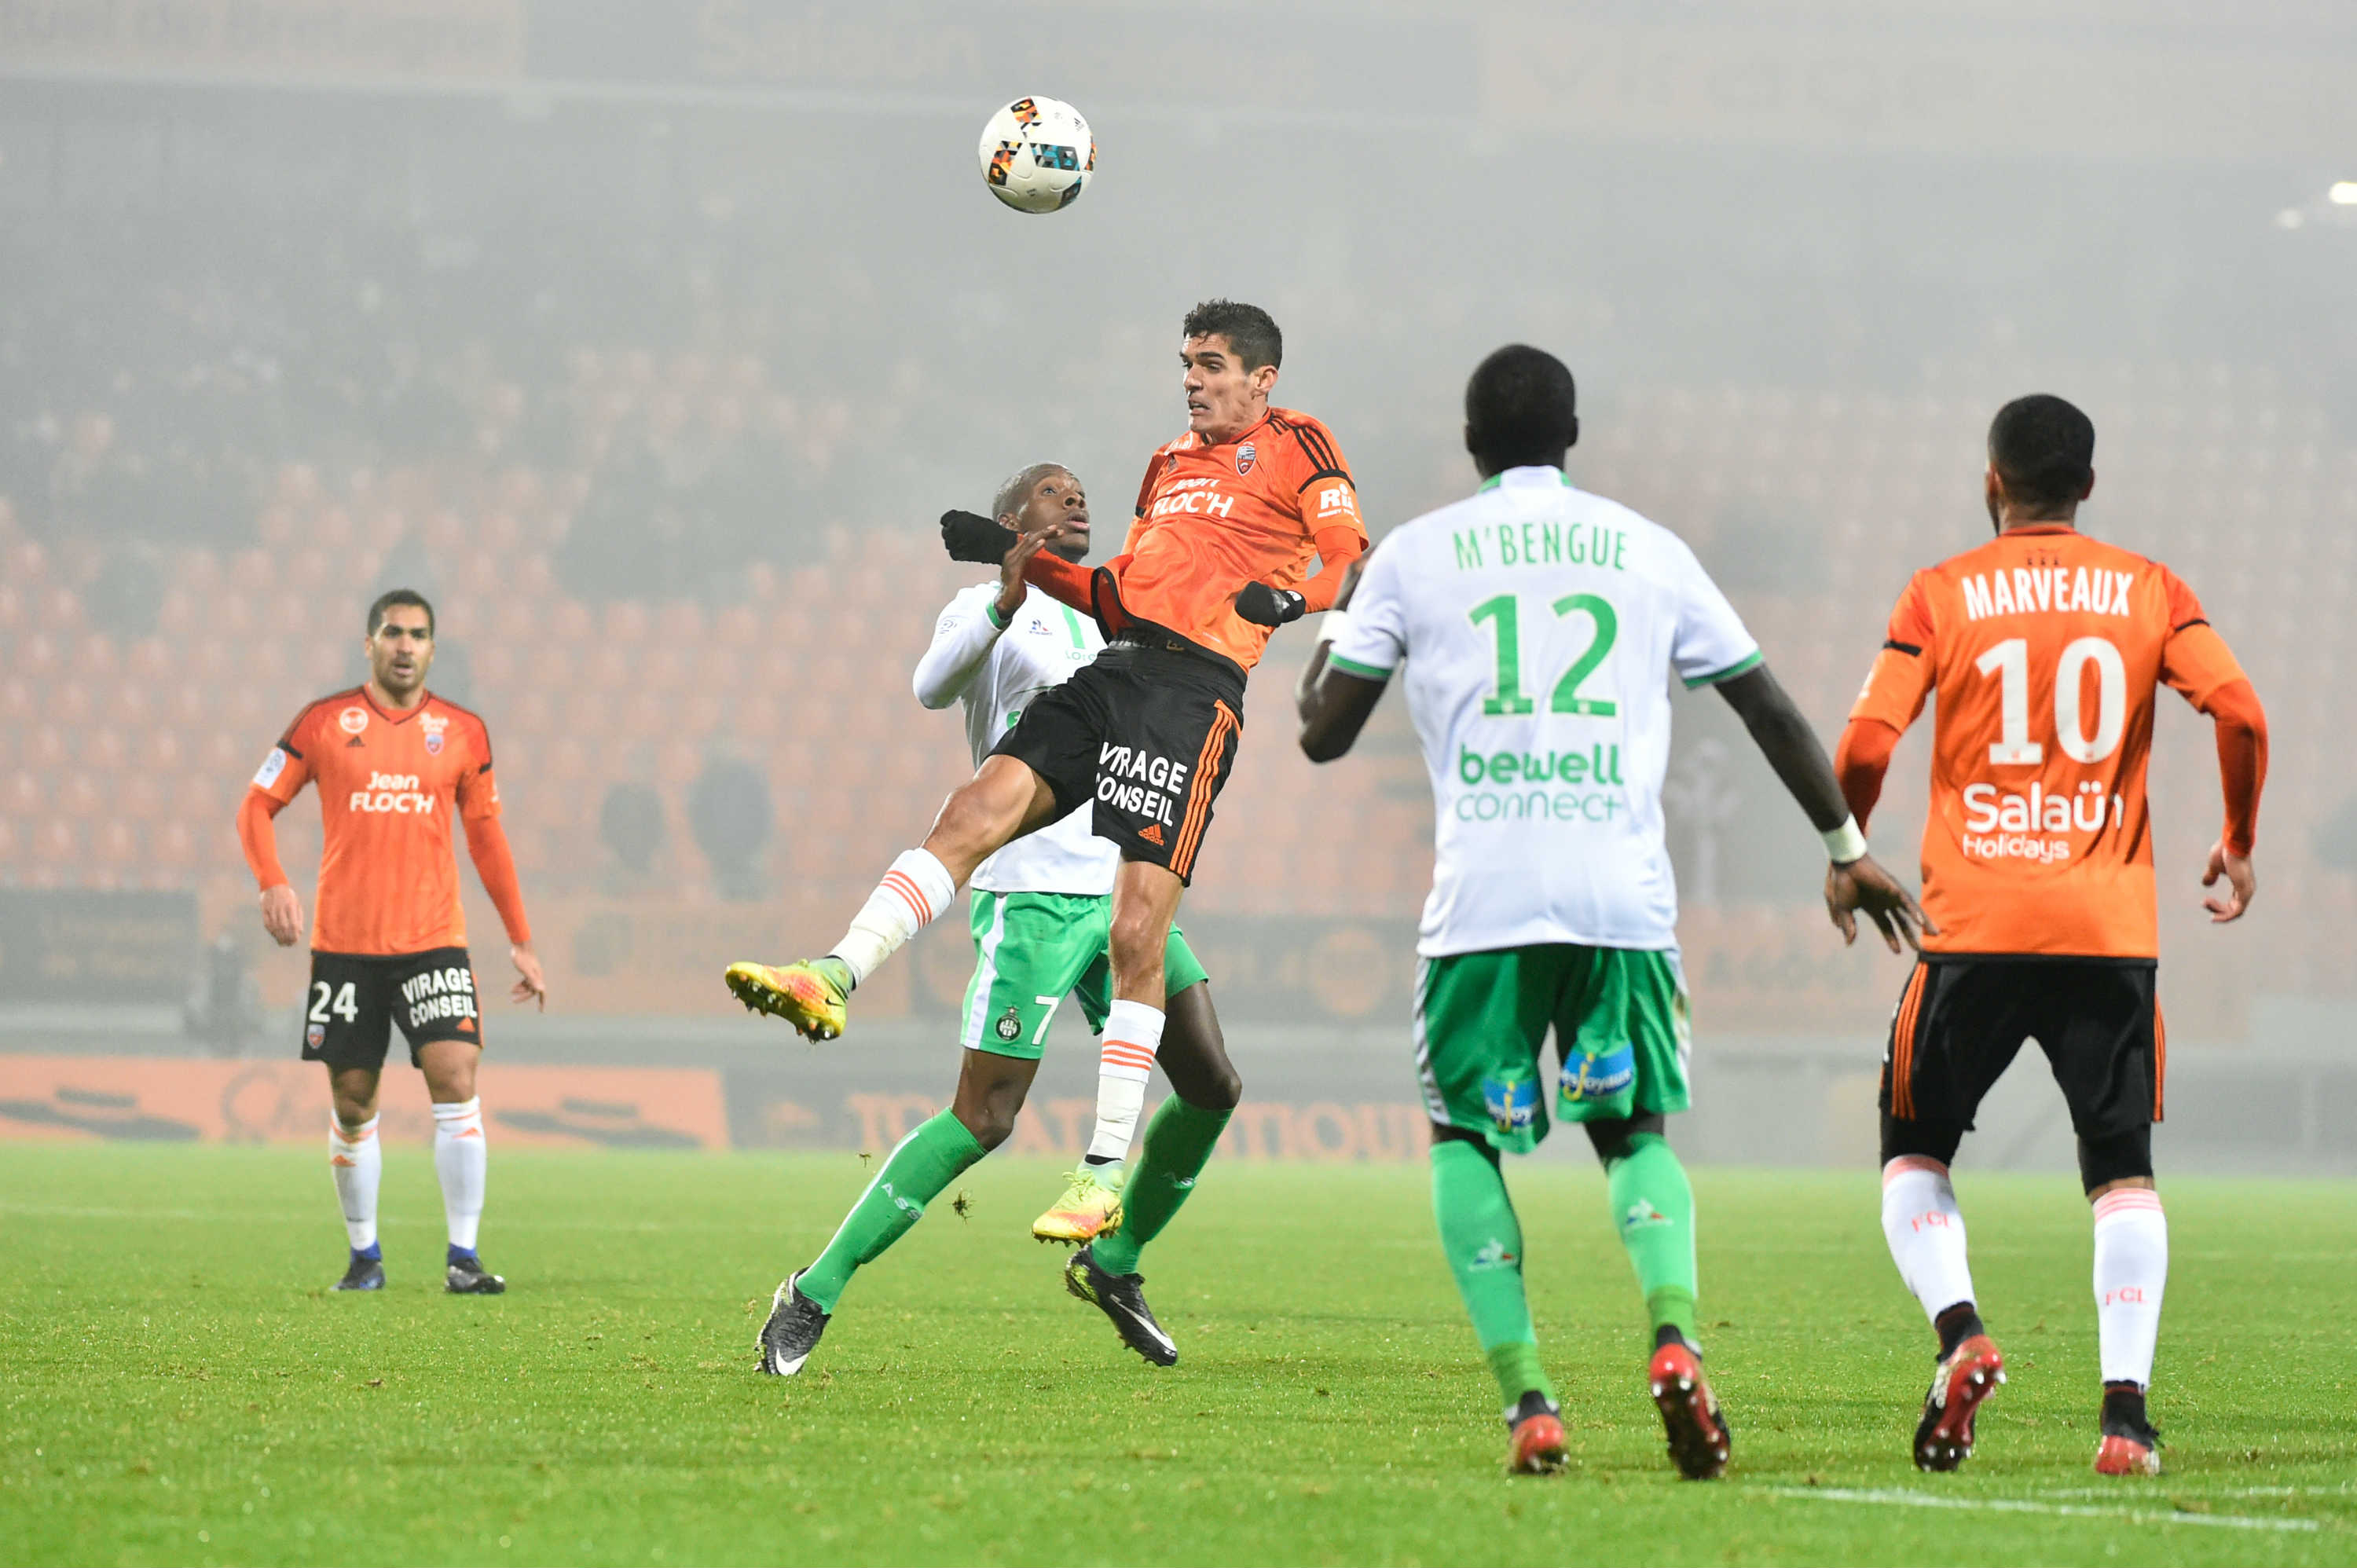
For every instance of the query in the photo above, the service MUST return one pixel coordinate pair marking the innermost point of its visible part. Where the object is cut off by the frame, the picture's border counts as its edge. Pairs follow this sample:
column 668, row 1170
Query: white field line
column 2182, row 1488
column 281, row 1217
column 1894, row 1499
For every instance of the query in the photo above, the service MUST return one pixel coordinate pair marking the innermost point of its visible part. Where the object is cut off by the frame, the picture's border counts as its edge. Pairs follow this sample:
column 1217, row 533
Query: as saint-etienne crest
column 1011, row 1024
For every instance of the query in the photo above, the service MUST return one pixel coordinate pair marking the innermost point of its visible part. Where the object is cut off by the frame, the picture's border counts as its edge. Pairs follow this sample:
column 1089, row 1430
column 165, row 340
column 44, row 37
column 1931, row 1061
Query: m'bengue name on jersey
column 1540, row 543
column 395, row 792
column 2089, row 590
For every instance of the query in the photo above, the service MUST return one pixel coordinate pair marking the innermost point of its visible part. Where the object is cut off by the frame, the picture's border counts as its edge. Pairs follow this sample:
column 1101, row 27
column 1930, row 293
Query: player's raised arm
column 2201, row 668
column 281, row 778
column 970, row 626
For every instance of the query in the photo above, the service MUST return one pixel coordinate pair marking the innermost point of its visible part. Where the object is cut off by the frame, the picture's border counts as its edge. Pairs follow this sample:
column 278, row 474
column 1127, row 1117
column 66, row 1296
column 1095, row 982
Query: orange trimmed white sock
column 463, row 1162
column 356, row 1160
column 2131, row 1272
column 1926, row 1232
column 917, row 891
column 1132, row 1033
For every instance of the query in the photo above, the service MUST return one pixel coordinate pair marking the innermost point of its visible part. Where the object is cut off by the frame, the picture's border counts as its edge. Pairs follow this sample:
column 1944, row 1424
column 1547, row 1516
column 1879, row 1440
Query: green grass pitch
column 181, row 1387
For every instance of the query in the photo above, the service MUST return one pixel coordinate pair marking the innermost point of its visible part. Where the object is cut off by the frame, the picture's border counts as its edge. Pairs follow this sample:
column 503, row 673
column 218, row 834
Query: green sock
column 1652, row 1208
column 1178, row 1141
column 1483, row 1242
column 927, row 1160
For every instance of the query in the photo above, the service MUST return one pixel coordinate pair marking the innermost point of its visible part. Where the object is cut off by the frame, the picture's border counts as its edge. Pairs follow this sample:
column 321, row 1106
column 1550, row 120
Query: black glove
column 977, row 538
column 1265, row 605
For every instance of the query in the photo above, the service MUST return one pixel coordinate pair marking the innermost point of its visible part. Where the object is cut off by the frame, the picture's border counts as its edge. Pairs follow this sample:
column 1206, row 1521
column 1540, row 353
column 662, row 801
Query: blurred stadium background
column 649, row 339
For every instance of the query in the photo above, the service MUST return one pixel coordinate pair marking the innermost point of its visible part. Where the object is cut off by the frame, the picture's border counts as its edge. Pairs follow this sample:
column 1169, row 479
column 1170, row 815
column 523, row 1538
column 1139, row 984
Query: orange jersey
column 389, row 785
column 2046, row 649
column 1212, row 519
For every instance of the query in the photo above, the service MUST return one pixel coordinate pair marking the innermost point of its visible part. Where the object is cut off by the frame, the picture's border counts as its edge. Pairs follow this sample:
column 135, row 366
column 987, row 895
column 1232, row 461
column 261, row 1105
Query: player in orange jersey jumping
column 394, row 764
column 1230, row 519
column 2045, row 649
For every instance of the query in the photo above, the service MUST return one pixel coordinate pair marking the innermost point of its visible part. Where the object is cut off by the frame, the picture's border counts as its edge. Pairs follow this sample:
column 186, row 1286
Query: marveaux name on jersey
column 1597, row 766
column 2002, row 825
column 2090, row 590
column 1134, row 780
column 395, row 792
column 1539, row 544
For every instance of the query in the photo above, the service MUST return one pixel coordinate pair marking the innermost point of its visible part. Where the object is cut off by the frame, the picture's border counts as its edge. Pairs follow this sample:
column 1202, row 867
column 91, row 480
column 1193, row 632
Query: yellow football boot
column 812, row 995
column 1089, row 1207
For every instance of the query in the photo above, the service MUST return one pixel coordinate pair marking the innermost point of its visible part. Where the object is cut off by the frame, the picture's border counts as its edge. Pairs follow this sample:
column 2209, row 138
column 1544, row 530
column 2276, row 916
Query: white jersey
column 1540, row 626
column 997, row 673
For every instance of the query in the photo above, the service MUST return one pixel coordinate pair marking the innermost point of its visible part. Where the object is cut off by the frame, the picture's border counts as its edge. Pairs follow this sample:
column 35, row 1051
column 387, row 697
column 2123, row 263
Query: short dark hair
column 392, row 596
column 1521, row 408
column 1250, row 331
column 2044, row 450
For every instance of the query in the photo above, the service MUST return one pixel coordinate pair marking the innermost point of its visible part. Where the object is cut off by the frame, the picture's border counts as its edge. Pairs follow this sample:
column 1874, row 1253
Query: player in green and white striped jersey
column 1539, row 626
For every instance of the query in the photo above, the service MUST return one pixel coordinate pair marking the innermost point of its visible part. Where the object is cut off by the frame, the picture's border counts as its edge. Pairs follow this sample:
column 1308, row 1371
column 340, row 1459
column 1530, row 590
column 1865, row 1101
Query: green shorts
column 1031, row 950
column 1619, row 1020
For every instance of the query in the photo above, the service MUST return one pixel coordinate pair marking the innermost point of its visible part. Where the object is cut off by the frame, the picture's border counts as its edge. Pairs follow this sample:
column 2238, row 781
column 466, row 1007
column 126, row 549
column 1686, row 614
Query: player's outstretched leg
column 1654, row 1211
column 1926, row 1232
column 356, row 1160
column 814, row 994
column 1481, row 1237
column 2131, row 1272
column 1002, row 801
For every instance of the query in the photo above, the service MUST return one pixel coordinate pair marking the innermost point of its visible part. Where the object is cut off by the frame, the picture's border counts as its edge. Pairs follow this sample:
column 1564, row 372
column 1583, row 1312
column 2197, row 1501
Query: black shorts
column 356, row 999
column 1148, row 732
column 1960, row 1021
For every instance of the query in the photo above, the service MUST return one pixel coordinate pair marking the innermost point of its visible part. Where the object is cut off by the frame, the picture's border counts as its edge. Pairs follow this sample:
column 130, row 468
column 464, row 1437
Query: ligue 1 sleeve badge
column 1246, row 456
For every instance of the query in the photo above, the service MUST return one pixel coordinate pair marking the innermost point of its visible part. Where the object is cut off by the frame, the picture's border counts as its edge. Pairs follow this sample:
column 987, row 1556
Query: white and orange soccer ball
column 1038, row 154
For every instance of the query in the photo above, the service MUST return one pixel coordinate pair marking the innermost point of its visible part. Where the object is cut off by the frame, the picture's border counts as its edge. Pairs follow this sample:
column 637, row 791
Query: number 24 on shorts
column 1504, row 613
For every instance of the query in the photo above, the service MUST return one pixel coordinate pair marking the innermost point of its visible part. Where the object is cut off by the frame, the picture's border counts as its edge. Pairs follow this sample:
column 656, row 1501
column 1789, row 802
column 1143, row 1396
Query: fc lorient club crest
column 1245, row 457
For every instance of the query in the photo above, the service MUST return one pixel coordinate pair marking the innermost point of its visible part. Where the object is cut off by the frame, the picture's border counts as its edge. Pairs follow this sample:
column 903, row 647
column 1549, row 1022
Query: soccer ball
column 1038, row 154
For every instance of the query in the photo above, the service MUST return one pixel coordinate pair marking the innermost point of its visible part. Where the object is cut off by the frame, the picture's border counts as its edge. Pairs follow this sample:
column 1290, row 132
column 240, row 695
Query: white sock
column 1926, row 1232
column 462, row 1162
column 1132, row 1033
column 916, row 892
column 357, row 1162
column 2131, row 1272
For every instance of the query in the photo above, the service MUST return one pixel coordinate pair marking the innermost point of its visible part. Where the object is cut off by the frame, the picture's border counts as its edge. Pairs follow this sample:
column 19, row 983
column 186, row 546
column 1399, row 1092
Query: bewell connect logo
column 1543, row 786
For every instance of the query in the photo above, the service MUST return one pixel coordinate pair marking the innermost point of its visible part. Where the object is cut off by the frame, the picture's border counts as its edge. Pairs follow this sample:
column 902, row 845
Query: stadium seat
column 57, row 844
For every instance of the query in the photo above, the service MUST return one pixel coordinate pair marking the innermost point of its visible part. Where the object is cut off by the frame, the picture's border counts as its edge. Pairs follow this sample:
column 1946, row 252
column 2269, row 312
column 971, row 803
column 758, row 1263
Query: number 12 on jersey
column 1503, row 613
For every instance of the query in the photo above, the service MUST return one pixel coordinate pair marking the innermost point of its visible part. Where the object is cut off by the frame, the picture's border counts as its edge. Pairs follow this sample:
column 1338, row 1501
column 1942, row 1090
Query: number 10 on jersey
column 1504, row 617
